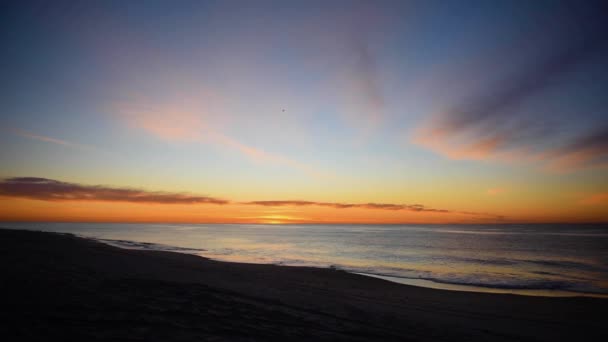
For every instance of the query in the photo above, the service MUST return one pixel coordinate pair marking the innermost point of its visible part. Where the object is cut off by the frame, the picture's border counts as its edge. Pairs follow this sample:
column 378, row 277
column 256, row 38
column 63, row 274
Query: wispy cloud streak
column 34, row 136
column 184, row 121
column 364, row 82
column 590, row 150
column 495, row 123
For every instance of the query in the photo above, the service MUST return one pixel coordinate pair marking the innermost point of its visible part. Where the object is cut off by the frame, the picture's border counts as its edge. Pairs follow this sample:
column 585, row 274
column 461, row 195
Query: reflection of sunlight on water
column 182, row 228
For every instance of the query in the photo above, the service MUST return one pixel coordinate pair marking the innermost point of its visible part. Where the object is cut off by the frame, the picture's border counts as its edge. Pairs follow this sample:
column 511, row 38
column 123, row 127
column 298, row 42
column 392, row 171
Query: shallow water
column 525, row 259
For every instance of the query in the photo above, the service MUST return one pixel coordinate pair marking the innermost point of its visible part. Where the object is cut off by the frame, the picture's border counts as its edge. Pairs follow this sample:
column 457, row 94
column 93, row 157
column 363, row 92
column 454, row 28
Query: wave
column 148, row 246
column 484, row 280
column 582, row 288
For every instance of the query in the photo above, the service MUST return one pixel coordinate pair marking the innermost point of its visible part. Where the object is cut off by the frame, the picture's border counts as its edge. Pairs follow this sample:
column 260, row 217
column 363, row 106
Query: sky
column 304, row 111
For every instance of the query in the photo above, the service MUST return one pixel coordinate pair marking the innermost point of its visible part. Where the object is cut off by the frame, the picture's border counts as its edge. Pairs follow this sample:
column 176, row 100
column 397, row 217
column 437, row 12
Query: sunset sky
column 304, row 111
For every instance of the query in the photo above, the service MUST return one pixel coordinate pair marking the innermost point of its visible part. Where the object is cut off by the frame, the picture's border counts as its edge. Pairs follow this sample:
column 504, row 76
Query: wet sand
column 69, row 288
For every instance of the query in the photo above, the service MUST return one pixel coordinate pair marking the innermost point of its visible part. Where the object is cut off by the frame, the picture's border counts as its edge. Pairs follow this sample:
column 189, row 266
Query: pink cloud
column 496, row 191
column 499, row 118
column 595, row 199
column 588, row 150
column 185, row 120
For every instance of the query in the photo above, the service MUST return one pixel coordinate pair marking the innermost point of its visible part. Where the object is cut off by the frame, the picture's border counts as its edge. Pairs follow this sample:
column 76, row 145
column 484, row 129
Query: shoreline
column 63, row 286
column 418, row 282
column 431, row 284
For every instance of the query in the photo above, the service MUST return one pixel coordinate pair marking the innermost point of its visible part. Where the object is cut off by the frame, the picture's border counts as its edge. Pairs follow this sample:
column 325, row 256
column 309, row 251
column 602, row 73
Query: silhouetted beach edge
column 70, row 288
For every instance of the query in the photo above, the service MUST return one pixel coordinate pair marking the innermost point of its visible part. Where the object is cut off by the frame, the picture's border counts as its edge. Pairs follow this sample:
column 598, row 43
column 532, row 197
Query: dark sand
column 61, row 286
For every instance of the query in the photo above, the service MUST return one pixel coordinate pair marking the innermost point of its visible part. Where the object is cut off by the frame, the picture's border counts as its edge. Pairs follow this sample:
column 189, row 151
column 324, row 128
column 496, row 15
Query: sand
column 70, row 288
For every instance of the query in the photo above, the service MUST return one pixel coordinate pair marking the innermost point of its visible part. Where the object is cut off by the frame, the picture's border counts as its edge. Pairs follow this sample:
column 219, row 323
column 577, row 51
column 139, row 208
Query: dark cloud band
column 383, row 206
column 45, row 189
column 53, row 190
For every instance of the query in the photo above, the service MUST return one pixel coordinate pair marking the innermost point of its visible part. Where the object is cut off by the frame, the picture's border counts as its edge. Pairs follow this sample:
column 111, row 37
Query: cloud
column 362, row 78
column 52, row 190
column 590, row 150
column 45, row 189
column 379, row 206
column 498, row 123
column 34, row 136
column 595, row 199
column 496, row 191
column 382, row 206
column 184, row 120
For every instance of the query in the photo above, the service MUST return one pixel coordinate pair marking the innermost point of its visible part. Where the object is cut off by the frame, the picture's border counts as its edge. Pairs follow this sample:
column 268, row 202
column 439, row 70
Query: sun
column 276, row 219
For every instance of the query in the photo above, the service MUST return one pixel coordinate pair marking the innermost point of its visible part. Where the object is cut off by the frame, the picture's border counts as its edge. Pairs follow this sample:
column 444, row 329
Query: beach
column 71, row 288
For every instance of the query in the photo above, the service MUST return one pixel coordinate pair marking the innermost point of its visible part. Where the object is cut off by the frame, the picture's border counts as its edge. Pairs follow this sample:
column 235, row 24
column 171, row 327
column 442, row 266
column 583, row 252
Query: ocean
column 527, row 259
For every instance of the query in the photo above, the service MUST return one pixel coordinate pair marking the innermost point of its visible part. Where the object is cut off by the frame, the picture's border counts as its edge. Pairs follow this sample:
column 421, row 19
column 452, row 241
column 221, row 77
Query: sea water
column 525, row 258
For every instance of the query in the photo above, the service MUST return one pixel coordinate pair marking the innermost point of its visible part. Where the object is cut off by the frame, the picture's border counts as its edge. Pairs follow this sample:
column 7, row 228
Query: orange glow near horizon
column 12, row 209
column 311, row 113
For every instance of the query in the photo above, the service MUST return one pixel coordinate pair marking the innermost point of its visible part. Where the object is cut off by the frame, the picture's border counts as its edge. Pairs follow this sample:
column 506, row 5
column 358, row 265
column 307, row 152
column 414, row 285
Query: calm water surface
column 525, row 259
